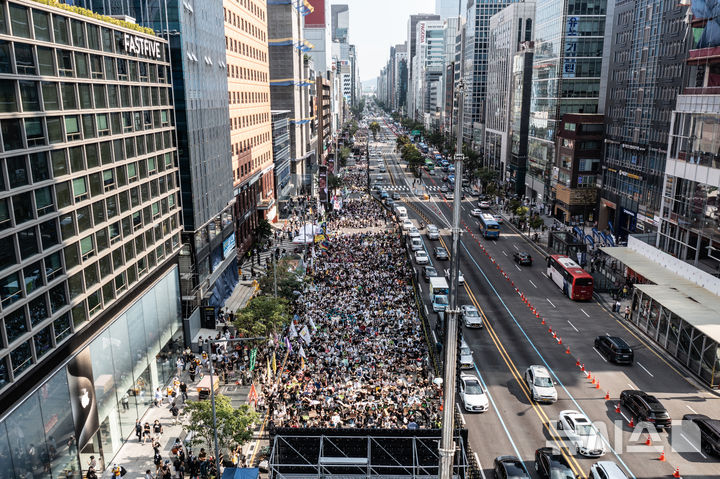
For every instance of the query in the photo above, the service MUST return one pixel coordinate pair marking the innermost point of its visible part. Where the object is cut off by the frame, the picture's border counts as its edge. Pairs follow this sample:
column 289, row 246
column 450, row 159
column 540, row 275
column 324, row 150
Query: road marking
column 573, row 326
column 515, row 246
column 477, row 459
column 623, row 415
column 693, row 446
column 532, row 283
column 419, row 285
column 426, row 310
column 504, row 253
column 584, row 312
column 551, row 303
column 632, row 386
column 639, row 364
column 462, row 417
column 518, row 268
column 694, row 411
column 598, row 352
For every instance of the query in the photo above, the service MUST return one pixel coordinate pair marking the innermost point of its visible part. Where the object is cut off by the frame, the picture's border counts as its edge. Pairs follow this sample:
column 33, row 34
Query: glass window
column 85, row 96
column 91, row 152
column 17, row 171
column 43, row 341
column 99, row 95
column 79, row 315
column 5, row 222
column 101, row 239
column 60, row 28
column 107, row 39
column 41, row 23
column 110, row 68
column 38, row 310
column 5, row 60
column 96, row 66
column 112, row 96
column 24, row 59
column 81, row 65
column 64, row 61
column 62, row 331
column 39, row 167
column 58, row 297
column 102, row 124
column 10, row 290
column 54, row 128
column 48, row 233
column 46, row 61
column 4, row 30
column 22, row 207
column 8, row 97
column 44, row 201
column 51, row 100
column 12, row 134
column 87, row 247
column 79, row 188
column 75, row 282
column 21, row 359
column 59, row 163
column 78, row 33
column 15, row 324
column 7, row 250
column 72, row 128
column 88, row 127
column 53, row 266
column 19, row 21
column 34, row 133
column 77, row 162
column 96, row 187
column 72, row 256
column 106, row 152
column 29, row 95
column 33, row 277
column 27, row 239
column 93, row 37
column 69, row 96
column 91, row 275
column 84, row 219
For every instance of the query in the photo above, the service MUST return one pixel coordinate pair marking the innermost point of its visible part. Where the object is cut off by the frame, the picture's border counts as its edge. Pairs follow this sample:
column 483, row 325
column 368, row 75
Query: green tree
column 401, row 141
column 473, row 159
column 263, row 230
column 234, row 425
column 437, row 139
column 334, row 182
column 536, row 222
column 375, row 129
column 344, row 155
column 486, row 176
column 287, row 280
column 521, row 212
column 265, row 314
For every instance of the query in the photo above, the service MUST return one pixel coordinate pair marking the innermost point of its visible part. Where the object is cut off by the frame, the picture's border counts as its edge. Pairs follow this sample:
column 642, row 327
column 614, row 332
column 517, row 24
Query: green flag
column 253, row 355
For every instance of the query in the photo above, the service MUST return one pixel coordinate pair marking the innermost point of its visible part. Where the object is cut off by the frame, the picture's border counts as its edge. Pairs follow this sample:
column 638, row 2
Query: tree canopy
column 375, row 129
column 264, row 314
column 234, row 424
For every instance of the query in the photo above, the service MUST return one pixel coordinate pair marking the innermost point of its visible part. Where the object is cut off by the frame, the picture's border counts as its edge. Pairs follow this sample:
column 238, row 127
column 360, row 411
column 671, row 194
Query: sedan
column 645, row 408
column 449, row 196
column 484, row 205
column 429, row 272
column 522, row 258
column 407, row 225
column 472, row 394
column 500, row 220
column 551, row 464
column 384, row 194
column 461, row 278
column 581, row 433
column 421, row 257
column 509, row 467
column 470, row 316
column 444, row 189
column 477, row 213
column 440, row 253
column 396, row 196
column 614, row 349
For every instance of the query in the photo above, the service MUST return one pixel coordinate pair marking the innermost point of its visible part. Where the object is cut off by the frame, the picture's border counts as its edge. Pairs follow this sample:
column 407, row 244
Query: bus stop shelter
column 679, row 315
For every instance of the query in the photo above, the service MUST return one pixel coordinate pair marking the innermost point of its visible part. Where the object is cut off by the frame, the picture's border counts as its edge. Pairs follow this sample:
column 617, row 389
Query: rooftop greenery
column 89, row 13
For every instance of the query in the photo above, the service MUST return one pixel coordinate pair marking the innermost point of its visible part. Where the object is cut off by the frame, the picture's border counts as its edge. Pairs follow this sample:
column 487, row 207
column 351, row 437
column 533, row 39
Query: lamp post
column 212, row 391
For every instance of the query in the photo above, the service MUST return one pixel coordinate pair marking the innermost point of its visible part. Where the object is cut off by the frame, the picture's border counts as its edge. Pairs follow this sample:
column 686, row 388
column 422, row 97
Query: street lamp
column 212, row 391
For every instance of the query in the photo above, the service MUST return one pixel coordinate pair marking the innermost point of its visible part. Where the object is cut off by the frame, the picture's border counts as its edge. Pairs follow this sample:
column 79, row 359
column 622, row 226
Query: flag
column 302, row 352
column 253, row 396
column 269, row 374
column 274, row 364
column 302, row 363
column 287, row 344
column 312, row 325
column 305, row 334
column 253, row 356
column 293, row 331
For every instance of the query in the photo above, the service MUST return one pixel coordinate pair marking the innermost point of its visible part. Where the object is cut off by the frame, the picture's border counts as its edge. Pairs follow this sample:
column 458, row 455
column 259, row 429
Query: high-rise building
column 355, row 84
column 340, row 24
column 644, row 78
column 476, row 51
column 411, row 52
column 566, row 79
column 510, row 28
column 430, row 48
column 317, row 33
column 520, row 116
column 250, row 120
column 290, row 88
column 401, row 76
column 90, row 230
column 449, row 8
column 208, row 260
column 324, row 116
column 281, row 153
column 451, row 31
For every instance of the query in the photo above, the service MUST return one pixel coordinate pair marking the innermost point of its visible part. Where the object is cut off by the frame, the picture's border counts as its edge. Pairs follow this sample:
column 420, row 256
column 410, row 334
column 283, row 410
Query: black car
column 614, row 349
column 509, row 467
column 440, row 252
column 709, row 432
column 429, row 272
column 522, row 258
column 645, row 408
column 550, row 463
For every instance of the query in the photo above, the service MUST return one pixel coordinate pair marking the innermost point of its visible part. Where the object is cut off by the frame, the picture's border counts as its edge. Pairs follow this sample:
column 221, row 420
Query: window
column 109, row 179
column 48, row 234
column 81, row 65
column 78, row 33
column 110, row 68
column 5, row 62
column 62, row 328
column 107, row 40
column 46, row 61
column 24, row 59
column 77, row 163
column 38, row 310
column 29, row 95
column 33, row 277
column 62, row 194
column 39, row 167
column 51, row 100
column 85, row 96
column 99, row 94
column 132, row 171
column 17, row 171
column 53, row 266
column 34, row 133
column 44, row 201
column 69, row 96
column 19, row 21
column 80, row 189
column 22, row 207
column 64, row 60
column 21, row 358
column 87, row 248
column 10, row 290
column 43, row 341
column 60, row 27
column 96, row 66
column 12, row 134
column 8, row 97
column 15, row 324
column 102, row 125
column 89, row 130
column 93, row 37
column 27, row 239
column 72, row 128
column 59, row 163
column 84, row 218
column 72, row 256
column 5, row 222
column 114, row 232
column 54, row 128
column 75, row 282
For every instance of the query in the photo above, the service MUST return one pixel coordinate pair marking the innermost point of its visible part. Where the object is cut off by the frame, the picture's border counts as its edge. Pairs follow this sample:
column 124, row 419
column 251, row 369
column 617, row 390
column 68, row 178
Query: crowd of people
column 357, row 353
column 355, row 178
column 358, row 214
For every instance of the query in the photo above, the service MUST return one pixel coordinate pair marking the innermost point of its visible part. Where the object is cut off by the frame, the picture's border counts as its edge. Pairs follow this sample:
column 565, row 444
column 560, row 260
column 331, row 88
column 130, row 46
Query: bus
column 488, row 226
column 574, row 281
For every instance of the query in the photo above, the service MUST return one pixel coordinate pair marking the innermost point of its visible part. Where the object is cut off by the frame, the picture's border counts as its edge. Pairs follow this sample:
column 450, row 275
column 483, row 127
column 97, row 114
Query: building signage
column 422, row 32
column 570, row 62
column 142, row 46
column 228, row 245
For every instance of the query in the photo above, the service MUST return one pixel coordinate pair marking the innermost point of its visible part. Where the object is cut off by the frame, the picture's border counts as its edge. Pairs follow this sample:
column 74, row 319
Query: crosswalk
column 421, row 188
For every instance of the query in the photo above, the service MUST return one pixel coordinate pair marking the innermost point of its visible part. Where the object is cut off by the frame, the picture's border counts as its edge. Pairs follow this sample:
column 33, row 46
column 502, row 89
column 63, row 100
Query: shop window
column 46, row 61
column 15, row 324
column 48, row 234
column 19, row 21
column 33, row 277
column 39, row 167
column 38, row 310
column 62, row 327
column 34, row 133
column 21, row 358
column 60, row 28
column 58, row 298
column 12, row 134
column 44, row 201
column 10, row 290
column 8, row 97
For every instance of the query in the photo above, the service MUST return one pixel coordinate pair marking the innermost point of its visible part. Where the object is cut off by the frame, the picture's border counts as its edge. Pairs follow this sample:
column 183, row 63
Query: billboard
column 83, row 401
column 228, row 245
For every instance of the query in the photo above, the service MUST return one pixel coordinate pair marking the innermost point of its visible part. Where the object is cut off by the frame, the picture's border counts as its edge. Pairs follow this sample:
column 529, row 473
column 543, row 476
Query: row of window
column 240, row 97
column 244, row 121
column 243, row 73
column 43, row 26
column 253, row 8
column 29, row 59
column 247, row 167
column 241, row 48
column 245, row 145
column 244, row 25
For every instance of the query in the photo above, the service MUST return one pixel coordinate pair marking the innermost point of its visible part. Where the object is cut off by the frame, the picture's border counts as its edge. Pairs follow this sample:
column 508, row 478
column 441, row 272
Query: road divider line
column 504, row 253
column 601, row 356
column 551, row 303
column 644, row 368
column 693, row 446
column 477, row 459
column 691, row 409
column 531, row 282
column 518, row 268
column 573, row 326
column 584, row 312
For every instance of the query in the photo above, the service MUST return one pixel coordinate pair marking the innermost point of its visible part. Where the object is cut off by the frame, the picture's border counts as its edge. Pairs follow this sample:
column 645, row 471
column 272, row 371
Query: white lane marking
column 518, row 267
column 639, row 364
column 573, row 326
column 477, row 459
column 504, row 253
column 632, row 386
column 623, row 415
column 694, row 411
column 515, row 246
column 584, row 312
column 693, row 446
column 426, row 310
column 434, row 336
column 462, row 417
column 532, row 283
column 598, row 353
column 551, row 303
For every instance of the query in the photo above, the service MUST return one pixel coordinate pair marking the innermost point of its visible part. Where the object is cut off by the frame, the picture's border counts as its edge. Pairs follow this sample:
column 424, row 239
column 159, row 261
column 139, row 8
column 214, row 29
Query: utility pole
column 447, row 444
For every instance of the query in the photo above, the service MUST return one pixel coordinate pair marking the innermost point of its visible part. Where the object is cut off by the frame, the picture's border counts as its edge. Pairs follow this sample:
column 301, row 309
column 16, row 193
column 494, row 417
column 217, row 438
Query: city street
column 513, row 301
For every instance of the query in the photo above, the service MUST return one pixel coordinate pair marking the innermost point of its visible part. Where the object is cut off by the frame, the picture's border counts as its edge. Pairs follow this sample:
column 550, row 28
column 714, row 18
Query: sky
column 376, row 25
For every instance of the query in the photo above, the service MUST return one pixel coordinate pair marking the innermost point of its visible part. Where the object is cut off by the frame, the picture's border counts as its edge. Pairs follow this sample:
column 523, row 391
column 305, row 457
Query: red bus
column 574, row 281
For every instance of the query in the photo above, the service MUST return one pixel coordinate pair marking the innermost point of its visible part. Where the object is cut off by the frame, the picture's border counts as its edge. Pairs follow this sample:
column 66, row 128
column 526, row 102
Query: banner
column 253, row 355
column 305, row 334
column 82, row 397
column 253, row 396
column 274, row 364
column 312, row 325
column 302, row 352
column 287, row 344
column 293, row 332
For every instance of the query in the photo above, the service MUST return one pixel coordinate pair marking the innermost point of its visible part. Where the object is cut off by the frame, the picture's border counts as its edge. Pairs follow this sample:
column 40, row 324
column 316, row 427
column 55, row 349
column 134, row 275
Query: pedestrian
column 183, row 390
column 116, row 471
column 92, row 462
column 125, row 401
column 138, row 429
column 157, row 429
column 627, row 312
column 617, row 306
column 148, row 475
column 157, row 400
column 175, row 412
column 146, row 432
column 157, row 460
column 91, row 474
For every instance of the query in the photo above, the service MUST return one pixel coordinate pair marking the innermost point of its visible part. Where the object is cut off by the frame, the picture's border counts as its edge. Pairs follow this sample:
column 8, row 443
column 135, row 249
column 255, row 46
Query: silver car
column 466, row 356
column 471, row 317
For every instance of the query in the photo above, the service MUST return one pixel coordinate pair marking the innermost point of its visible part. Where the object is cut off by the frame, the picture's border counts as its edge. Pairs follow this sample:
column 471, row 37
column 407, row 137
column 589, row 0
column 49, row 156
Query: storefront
column 89, row 405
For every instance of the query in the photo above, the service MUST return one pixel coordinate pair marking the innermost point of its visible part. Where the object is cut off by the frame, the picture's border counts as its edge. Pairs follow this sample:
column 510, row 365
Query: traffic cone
column 617, row 407
column 597, row 385
column 632, row 422
column 607, row 395
column 593, row 381
column 583, row 368
column 549, row 330
column 577, row 362
column 662, row 456
column 537, row 315
column 648, row 441
column 677, row 472
column 567, row 350
column 560, row 341
column 543, row 321
column 554, row 335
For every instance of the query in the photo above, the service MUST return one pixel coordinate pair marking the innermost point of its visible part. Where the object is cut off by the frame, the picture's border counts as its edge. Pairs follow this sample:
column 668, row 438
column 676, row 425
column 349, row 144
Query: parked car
column 461, row 278
column 421, row 257
column 552, row 464
column 429, row 272
column 709, row 432
column 606, row 470
column 472, row 394
column 522, row 258
column 541, row 385
column 645, row 408
column 614, row 349
column 470, row 316
column 581, row 433
column 509, row 467
column 440, row 253
column 443, row 189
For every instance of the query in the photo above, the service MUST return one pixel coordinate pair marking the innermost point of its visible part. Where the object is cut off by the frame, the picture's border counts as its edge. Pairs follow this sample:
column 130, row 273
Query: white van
column 401, row 213
column 416, row 243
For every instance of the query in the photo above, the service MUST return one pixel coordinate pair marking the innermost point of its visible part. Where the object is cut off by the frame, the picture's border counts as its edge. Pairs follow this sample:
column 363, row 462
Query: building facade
column 281, row 154
column 340, row 22
column 638, row 110
column 90, row 235
column 520, row 117
column 317, row 33
column 411, row 53
column 448, row 8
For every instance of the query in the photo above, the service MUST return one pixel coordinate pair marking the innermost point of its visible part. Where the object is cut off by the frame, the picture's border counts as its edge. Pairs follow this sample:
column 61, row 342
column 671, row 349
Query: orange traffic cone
column 607, row 395
column 560, row 341
column 543, row 321
column 593, row 381
column 677, row 472
column 577, row 362
column 662, row 456
column 617, row 407
column 567, row 350
column 597, row 385
column 583, row 368
column 648, row 441
column 632, row 422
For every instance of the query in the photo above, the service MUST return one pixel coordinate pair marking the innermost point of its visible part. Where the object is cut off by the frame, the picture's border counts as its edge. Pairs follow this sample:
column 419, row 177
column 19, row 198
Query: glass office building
column 89, row 228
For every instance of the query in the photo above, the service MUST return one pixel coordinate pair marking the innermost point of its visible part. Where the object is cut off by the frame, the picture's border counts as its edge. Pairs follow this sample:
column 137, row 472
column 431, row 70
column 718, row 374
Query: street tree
column 536, row 222
column 486, row 176
column 334, row 182
column 288, row 281
column 375, row 129
column 264, row 315
column 263, row 230
column 234, row 424
column 344, row 155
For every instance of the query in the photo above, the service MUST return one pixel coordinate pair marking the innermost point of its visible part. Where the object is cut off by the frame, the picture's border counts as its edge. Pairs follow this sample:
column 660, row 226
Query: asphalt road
column 511, row 298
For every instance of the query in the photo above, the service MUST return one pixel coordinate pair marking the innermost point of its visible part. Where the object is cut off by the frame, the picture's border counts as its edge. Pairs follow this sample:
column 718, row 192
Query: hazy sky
column 376, row 25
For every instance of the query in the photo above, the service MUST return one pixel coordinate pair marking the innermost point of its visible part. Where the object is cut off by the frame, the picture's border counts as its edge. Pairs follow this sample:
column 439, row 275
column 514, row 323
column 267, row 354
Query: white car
column 540, row 384
column 407, row 225
column 477, row 212
column 470, row 316
column 499, row 219
column 466, row 356
column 461, row 278
column 581, row 433
column 421, row 257
column 433, row 232
column 606, row 470
column 472, row 394
column 449, row 195
column 484, row 205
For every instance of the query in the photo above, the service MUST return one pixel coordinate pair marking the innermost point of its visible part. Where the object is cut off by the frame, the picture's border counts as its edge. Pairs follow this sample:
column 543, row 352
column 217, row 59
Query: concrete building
column 90, row 231
column 317, row 33
column 411, row 52
column 564, row 82
column 475, row 58
column 638, row 110
column 401, row 77
column 340, row 23
column 250, row 121
column 520, row 117
column 281, row 155
column 448, row 8
column 430, row 58
column 290, row 88
column 510, row 28
column 324, row 117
